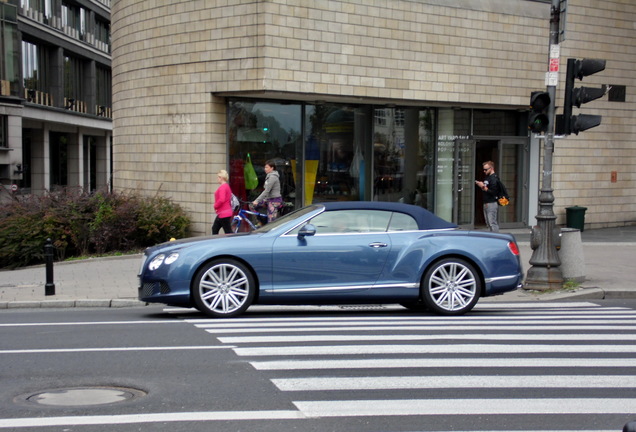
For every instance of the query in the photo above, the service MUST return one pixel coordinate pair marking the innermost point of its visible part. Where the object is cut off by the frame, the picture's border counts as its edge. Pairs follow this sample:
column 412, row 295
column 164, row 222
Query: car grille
column 153, row 288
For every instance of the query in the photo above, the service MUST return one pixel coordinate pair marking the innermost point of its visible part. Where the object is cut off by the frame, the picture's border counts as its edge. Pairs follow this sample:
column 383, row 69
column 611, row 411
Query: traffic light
column 539, row 121
column 579, row 96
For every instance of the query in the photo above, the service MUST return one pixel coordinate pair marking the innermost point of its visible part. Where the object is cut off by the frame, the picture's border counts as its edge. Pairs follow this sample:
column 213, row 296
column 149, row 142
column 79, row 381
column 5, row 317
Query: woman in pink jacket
column 222, row 205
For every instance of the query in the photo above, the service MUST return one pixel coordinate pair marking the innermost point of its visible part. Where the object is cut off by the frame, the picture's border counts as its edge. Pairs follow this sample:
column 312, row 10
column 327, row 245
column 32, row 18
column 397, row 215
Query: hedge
column 81, row 223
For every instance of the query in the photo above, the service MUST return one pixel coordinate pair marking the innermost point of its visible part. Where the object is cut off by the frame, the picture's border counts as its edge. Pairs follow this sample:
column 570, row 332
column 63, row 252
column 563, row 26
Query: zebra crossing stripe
column 421, row 337
column 530, row 328
column 502, row 362
column 403, row 407
column 455, row 382
column 431, row 349
column 535, row 319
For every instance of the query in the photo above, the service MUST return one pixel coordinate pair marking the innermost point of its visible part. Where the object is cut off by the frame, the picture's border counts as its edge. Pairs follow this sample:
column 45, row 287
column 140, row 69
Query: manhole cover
column 83, row 396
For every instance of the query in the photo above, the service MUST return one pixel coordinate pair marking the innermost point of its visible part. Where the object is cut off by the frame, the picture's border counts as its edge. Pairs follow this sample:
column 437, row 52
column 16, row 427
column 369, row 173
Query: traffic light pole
column 544, row 273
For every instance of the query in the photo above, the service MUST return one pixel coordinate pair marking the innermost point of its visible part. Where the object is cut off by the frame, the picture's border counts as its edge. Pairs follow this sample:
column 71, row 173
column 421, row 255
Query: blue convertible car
column 335, row 253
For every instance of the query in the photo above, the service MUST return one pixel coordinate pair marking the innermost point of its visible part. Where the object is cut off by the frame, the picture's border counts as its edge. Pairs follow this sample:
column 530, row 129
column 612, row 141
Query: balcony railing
column 55, row 22
column 5, row 88
column 38, row 97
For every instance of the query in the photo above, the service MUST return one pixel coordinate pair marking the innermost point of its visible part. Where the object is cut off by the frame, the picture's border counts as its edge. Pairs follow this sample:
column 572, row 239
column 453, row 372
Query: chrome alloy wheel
column 452, row 286
column 224, row 289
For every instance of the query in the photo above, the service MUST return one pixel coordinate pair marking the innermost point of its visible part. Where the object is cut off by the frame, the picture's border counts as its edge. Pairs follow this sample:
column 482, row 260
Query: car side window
column 349, row 221
column 402, row 222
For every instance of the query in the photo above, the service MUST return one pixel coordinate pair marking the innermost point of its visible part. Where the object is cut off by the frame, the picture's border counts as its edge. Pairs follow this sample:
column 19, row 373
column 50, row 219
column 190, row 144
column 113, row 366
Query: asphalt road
column 545, row 366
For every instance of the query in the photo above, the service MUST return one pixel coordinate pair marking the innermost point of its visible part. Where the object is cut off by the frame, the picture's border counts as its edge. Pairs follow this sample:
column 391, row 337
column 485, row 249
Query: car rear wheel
column 451, row 287
column 223, row 289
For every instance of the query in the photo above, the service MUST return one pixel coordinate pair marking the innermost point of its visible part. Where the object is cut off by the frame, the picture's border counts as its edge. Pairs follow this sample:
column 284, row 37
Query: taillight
column 513, row 248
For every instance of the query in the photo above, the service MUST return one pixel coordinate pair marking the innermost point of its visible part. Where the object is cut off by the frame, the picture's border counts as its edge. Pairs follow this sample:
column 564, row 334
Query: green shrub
column 81, row 224
column 159, row 220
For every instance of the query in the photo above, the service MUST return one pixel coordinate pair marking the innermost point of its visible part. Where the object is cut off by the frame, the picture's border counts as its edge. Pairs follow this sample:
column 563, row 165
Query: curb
column 83, row 303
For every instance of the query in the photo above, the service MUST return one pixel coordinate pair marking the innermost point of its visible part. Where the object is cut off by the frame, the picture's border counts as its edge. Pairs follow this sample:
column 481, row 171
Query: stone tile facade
column 174, row 61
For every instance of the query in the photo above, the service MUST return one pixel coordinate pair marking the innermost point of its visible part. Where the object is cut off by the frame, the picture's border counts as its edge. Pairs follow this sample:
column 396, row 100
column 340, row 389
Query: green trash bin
column 575, row 217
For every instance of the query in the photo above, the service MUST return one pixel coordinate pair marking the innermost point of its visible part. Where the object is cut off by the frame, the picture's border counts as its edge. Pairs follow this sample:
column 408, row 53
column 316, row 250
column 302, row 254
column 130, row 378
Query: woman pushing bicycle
column 271, row 193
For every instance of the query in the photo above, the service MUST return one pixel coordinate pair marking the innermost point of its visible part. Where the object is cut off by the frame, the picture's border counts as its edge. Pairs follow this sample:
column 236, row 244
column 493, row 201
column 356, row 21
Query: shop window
column 335, row 153
column 259, row 132
column 404, row 156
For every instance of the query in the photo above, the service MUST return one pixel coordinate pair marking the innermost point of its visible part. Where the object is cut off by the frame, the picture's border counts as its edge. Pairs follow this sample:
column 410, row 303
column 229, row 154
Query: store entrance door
column 510, row 155
column 464, row 182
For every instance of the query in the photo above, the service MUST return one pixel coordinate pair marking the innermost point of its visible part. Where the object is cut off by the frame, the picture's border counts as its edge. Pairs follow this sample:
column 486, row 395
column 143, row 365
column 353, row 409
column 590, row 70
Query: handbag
column 251, row 180
column 503, row 199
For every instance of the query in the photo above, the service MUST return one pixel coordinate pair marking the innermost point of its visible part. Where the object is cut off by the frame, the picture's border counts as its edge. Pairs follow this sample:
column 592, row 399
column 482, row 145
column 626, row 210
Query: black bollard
column 630, row 426
column 49, row 287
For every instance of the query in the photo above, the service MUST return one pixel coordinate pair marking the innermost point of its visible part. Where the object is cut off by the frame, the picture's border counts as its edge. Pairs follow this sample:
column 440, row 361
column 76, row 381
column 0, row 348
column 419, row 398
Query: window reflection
column 334, row 152
column 334, row 166
column 403, row 155
column 258, row 132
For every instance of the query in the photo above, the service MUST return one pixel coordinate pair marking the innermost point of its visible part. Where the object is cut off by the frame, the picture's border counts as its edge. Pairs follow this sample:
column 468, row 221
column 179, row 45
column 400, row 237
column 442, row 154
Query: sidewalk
column 608, row 253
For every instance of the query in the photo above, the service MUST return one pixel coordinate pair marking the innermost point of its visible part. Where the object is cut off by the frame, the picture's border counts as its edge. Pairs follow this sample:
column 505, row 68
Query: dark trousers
column 225, row 223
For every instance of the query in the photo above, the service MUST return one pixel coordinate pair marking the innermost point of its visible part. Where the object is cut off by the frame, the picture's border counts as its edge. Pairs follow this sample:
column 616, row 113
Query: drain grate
column 83, row 396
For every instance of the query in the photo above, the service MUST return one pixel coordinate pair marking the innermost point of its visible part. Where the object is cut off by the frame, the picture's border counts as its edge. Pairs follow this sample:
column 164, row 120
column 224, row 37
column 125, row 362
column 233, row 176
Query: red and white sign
column 554, row 65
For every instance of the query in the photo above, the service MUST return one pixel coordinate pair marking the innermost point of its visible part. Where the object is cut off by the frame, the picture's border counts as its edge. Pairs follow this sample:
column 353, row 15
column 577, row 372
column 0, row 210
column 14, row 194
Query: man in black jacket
column 491, row 190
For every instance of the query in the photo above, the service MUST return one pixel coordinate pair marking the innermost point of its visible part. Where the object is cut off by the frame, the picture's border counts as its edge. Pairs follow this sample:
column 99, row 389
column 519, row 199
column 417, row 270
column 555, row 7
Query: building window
column 43, row 7
column 404, row 156
column 104, row 85
column 102, row 35
column 9, row 50
column 4, row 142
column 73, row 84
column 59, row 159
column 74, row 20
column 34, row 66
column 262, row 131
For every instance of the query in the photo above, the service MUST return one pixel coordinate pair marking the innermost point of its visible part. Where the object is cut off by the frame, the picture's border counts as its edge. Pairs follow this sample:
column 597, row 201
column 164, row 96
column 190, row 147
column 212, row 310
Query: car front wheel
column 451, row 287
column 223, row 289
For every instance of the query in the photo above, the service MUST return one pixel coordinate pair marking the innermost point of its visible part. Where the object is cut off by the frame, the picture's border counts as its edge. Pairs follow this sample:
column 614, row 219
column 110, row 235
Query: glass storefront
column 335, row 152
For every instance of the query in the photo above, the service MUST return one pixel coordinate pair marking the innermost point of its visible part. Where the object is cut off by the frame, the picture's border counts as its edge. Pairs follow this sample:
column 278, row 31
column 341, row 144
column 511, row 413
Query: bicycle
column 246, row 215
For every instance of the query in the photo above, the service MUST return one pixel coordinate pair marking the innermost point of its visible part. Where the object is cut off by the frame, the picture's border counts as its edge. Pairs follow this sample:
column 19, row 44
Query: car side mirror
column 307, row 231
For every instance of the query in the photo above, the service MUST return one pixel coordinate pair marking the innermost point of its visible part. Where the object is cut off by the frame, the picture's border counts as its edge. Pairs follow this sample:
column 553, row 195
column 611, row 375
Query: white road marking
column 85, row 323
column 402, row 407
column 422, row 337
column 504, row 362
column 455, row 382
column 551, row 319
column 113, row 349
column 430, row 349
column 531, row 328
column 149, row 418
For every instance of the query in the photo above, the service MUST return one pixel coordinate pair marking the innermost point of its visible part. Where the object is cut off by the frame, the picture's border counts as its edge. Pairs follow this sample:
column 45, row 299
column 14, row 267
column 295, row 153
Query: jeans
column 490, row 214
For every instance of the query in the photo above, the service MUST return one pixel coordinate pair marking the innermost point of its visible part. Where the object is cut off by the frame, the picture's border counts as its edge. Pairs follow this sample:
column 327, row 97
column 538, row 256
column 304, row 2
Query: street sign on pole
column 563, row 8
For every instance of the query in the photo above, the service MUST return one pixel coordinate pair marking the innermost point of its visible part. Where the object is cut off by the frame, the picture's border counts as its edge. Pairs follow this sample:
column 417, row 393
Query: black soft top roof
column 425, row 219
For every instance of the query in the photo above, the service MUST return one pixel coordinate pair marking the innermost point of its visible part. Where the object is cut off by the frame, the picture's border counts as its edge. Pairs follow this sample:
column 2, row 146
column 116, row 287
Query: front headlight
column 171, row 258
column 161, row 259
column 156, row 262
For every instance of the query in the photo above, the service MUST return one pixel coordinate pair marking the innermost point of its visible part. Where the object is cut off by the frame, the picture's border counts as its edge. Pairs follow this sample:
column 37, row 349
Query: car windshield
column 296, row 214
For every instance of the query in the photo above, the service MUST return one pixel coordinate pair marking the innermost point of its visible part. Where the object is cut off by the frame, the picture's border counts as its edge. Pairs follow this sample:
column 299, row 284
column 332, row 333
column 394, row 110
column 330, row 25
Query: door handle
column 377, row 245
